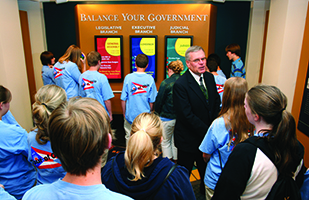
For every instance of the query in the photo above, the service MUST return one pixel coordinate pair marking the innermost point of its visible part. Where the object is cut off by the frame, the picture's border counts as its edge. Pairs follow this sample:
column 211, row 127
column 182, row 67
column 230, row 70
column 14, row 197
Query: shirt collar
column 238, row 60
column 196, row 77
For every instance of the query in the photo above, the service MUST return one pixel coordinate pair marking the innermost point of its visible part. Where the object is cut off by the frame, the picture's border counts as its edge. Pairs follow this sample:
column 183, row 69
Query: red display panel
column 110, row 48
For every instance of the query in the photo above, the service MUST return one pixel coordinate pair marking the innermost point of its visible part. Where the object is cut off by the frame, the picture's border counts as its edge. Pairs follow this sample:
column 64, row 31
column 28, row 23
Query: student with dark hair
column 79, row 132
column 48, row 166
column 228, row 130
column 94, row 84
column 254, row 165
column 16, row 173
column 68, row 69
column 218, row 61
column 48, row 61
column 233, row 54
column 138, row 93
column 212, row 66
column 140, row 173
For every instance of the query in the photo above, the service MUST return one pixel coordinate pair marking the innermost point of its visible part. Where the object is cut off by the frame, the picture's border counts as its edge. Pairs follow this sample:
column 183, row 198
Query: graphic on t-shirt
column 87, row 84
column 57, row 72
column 220, row 88
column 44, row 159
column 138, row 88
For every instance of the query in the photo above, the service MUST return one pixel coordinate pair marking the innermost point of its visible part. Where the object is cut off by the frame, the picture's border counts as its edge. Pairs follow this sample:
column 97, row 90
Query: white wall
column 255, row 41
column 37, row 35
column 283, row 46
column 12, row 63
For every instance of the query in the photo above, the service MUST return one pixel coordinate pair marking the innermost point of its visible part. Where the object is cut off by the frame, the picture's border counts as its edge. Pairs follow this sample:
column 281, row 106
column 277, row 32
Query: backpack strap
column 168, row 174
column 254, row 140
column 220, row 159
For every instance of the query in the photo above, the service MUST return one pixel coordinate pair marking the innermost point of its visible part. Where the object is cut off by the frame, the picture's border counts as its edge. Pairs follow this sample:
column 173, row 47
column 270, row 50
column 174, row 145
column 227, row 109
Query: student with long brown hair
column 227, row 131
column 68, row 69
column 254, row 165
column 139, row 172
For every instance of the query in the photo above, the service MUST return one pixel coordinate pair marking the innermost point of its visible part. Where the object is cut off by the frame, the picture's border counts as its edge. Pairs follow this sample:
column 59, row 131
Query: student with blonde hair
column 79, row 133
column 68, row 69
column 165, row 108
column 16, row 173
column 227, row 131
column 139, row 172
column 48, row 166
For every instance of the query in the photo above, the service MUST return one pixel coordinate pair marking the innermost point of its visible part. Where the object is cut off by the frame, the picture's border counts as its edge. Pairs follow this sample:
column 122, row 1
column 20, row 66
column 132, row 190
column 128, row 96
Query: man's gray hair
column 192, row 49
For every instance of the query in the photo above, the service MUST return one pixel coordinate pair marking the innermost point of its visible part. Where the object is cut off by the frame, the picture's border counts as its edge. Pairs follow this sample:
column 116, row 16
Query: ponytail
column 283, row 138
column 48, row 98
column 139, row 154
column 40, row 115
column 143, row 143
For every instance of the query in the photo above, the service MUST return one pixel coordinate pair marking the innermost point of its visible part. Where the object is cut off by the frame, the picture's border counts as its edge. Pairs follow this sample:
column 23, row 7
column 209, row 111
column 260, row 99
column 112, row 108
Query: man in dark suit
column 197, row 104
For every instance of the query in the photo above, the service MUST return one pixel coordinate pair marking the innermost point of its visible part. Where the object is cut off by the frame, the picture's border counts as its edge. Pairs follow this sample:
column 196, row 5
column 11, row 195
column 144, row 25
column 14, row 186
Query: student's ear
column 256, row 117
column 1, row 105
column 110, row 139
column 146, row 66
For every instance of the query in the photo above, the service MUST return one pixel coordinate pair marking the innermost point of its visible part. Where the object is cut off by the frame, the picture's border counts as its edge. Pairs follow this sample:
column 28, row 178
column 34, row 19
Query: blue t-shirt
column 16, row 173
column 216, row 138
column 304, row 190
column 62, row 190
column 139, row 89
column 95, row 85
column 238, row 69
column 4, row 195
column 48, row 75
column 220, row 72
column 66, row 75
column 220, row 86
column 9, row 118
column 47, row 164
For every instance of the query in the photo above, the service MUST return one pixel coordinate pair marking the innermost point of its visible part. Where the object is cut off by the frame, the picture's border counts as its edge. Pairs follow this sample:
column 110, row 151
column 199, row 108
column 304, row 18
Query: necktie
column 204, row 89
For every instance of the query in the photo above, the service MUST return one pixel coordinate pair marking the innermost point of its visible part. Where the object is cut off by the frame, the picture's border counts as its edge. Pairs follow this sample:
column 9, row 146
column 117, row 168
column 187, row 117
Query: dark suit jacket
column 193, row 114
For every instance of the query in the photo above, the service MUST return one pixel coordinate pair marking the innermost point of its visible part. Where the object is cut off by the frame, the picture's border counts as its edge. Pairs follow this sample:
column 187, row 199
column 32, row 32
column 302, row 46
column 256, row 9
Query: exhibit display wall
column 66, row 24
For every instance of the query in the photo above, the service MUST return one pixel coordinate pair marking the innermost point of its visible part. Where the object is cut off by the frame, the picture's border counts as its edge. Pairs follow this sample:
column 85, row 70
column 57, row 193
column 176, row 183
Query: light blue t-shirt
column 216, row 138
column 220, row 80
column 66, row 76
column 139, row 89
column 16, row 173
column 220, row 72
column 238, row 69
column 95, row 85
column 47, row 164
column 4, row 195
column 48, row 75
column 9, row 118
column 62, row 190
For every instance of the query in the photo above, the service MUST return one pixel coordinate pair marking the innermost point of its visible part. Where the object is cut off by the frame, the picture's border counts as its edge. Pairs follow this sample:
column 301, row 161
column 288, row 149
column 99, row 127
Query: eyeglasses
column 198, row 60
